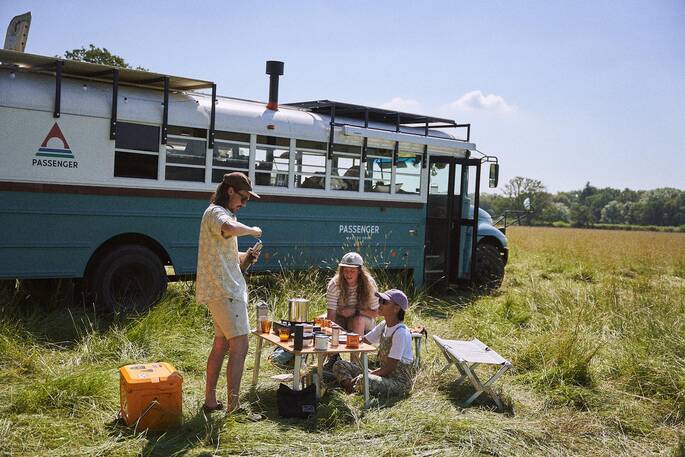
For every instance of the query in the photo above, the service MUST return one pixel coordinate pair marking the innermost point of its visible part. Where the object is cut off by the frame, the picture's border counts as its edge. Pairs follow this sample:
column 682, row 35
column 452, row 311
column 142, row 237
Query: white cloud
column 402, row 104
column 477, row 101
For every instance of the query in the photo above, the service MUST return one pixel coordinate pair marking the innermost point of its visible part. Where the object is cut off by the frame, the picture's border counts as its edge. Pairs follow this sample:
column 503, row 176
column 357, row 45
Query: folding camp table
column 466, row 356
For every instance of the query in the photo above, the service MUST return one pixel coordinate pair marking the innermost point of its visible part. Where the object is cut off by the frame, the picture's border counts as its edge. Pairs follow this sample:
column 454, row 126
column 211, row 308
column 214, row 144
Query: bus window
column 229, row 157
column 141, row 156
column 310, row 164
column 137, row 136
column 345, row 167
column 185, row 159
column 130, row 165
column 378, row 169
column 272, row 156
column 408, row 169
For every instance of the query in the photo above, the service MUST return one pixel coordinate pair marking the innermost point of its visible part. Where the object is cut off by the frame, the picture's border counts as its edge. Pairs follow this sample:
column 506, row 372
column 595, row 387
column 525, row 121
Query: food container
column 151, row 396
column 320, row 342
column 353, row 340
column 298, row 309
column 335, row 337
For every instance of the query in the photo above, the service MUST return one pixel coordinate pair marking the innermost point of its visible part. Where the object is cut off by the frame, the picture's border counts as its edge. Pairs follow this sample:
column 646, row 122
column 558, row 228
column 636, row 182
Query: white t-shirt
column 401, row 341
column 218, row 263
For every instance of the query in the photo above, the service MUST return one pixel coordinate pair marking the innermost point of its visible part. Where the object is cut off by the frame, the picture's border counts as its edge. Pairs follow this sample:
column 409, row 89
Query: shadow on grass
column 332, row 411
column 199, row 431
column 458, row 394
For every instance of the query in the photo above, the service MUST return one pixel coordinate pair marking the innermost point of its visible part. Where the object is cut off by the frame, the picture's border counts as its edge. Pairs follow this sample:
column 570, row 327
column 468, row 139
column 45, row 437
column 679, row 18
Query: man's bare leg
column 215, row 362
column 237, row 351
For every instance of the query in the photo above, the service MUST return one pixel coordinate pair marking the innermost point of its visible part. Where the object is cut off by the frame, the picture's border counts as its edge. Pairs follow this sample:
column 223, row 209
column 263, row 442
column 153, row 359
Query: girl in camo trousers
column 395, row 376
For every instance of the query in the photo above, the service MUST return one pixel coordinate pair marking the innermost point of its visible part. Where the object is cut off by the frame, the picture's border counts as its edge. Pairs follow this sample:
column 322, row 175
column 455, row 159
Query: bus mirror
column 494, row 174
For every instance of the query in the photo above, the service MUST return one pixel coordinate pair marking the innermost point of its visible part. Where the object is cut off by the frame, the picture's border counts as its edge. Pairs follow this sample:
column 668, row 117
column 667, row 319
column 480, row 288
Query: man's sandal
column 210, row 409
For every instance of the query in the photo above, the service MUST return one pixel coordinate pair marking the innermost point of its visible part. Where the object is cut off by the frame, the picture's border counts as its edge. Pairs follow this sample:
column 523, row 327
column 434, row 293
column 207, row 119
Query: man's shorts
column 229, row 317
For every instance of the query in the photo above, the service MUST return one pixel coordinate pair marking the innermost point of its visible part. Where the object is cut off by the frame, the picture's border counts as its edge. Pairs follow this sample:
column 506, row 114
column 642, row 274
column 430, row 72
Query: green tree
column 98, row 55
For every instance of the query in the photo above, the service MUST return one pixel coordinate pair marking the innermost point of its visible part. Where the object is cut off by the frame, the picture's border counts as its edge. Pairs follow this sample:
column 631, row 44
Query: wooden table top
column 288, row 346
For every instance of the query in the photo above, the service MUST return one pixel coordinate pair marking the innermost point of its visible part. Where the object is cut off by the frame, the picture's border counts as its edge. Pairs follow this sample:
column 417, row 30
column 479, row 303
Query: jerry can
column 151, row 396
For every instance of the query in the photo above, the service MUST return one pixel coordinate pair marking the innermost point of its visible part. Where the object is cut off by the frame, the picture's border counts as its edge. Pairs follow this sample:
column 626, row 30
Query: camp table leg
column 365, row 370
column 257, row 360
column 296, row 372
column 319, row 373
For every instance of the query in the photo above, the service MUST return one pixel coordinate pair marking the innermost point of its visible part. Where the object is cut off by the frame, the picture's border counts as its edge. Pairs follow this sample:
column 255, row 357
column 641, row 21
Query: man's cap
column 395, row 295
column 239, row 181
column 351, row 259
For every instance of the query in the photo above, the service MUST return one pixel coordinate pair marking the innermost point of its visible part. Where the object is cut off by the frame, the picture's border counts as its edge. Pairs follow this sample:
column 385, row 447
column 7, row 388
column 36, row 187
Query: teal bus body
column 53, row 234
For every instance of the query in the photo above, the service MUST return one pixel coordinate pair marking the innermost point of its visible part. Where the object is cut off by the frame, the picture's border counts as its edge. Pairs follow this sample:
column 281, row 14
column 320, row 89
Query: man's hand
column 252, row 255
column 256, row 232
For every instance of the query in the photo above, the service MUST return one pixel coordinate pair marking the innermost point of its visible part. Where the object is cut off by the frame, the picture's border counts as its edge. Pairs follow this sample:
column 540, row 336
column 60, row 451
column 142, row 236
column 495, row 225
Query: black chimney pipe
column 274, row 69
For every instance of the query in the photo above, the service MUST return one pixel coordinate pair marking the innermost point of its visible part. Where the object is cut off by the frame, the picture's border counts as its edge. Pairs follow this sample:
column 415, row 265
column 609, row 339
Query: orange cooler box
column 151, row 395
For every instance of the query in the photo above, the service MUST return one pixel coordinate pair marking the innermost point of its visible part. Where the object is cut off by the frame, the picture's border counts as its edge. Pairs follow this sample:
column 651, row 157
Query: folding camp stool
column 466, row 356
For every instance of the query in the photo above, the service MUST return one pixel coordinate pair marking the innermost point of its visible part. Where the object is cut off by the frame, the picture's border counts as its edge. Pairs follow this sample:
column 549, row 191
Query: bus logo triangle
column 63, row 152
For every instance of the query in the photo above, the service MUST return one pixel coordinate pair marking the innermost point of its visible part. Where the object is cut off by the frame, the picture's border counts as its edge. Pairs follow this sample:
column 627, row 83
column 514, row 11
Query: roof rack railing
column 368, row 114
column 19, row 61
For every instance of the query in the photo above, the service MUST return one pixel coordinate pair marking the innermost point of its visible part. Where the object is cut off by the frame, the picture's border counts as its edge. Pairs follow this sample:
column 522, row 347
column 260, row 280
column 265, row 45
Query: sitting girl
column 351, row 295
column 395, row 375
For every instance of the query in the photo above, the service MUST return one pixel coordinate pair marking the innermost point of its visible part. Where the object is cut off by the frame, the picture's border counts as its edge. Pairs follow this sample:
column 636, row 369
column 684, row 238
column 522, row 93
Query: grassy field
column 593, row 321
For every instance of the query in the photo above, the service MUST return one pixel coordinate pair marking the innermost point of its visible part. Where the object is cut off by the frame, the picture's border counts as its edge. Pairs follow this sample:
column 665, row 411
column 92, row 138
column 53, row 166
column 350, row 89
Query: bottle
column 335, row 336
column 299, row 337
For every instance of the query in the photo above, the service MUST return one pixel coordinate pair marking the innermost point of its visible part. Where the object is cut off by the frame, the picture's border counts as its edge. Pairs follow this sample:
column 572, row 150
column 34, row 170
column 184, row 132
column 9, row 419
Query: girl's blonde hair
column 364, row 288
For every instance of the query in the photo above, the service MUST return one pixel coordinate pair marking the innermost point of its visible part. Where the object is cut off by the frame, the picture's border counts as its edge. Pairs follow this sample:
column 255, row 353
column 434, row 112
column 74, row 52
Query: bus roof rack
column 368, row 114
column 87, row 70
column 20, row 61
column 371, row 114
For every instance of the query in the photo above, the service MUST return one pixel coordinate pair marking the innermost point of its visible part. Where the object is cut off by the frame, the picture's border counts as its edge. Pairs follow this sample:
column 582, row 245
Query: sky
column 567, row 92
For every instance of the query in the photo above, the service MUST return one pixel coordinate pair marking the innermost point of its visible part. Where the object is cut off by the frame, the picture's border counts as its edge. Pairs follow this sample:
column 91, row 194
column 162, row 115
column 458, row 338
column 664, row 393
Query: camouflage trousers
column 379, row 386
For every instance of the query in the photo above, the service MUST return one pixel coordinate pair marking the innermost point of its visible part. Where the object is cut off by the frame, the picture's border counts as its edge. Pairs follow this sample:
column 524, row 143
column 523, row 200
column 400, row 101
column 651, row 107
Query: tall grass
column 594, row 322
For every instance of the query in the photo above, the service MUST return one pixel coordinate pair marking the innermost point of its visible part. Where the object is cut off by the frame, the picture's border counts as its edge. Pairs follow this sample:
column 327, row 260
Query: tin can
column 320, row 342
column 353, row 340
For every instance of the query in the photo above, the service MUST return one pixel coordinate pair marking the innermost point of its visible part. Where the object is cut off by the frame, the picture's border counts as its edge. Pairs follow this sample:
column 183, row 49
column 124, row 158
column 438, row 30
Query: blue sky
column 565, row 92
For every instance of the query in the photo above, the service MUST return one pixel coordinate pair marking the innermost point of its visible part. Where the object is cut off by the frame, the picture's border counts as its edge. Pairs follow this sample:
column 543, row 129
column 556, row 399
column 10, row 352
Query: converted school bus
column 105, row 173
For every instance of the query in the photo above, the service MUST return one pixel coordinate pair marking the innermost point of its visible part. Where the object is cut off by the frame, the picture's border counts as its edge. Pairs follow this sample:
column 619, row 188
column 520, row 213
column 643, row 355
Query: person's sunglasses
column 382, row 301
column 243, row 198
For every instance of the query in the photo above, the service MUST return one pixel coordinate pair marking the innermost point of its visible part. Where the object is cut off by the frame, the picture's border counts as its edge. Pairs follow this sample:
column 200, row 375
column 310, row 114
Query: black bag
column 296, row 403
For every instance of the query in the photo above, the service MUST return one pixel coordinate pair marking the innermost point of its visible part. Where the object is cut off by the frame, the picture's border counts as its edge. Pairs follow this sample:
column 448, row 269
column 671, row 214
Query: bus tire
column 128, row 278
column 489, row 271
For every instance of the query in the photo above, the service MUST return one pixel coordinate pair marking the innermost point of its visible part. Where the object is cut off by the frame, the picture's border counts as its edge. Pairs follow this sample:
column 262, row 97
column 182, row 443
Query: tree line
column 588, row 207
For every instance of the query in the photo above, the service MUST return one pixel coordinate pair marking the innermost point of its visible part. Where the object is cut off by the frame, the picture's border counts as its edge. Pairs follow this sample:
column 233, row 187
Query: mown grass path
column 594, row 322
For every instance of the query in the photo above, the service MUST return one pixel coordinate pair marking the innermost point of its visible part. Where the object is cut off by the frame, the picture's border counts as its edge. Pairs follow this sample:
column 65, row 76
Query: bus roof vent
column 274, row 69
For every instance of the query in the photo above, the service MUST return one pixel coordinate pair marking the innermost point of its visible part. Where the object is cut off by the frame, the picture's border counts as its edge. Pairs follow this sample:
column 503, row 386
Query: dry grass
column 594, row 322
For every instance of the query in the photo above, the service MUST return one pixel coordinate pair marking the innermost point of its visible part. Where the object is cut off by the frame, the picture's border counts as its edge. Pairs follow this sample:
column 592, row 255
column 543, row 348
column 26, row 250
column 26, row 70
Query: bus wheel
column 489, row 267
column 127, row 278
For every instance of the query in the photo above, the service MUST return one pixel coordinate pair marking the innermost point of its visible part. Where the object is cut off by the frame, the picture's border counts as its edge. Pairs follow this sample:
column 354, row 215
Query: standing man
column 221, row 286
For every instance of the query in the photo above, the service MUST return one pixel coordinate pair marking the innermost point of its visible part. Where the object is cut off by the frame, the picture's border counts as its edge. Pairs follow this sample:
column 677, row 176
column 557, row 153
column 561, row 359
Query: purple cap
column 395, row 295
